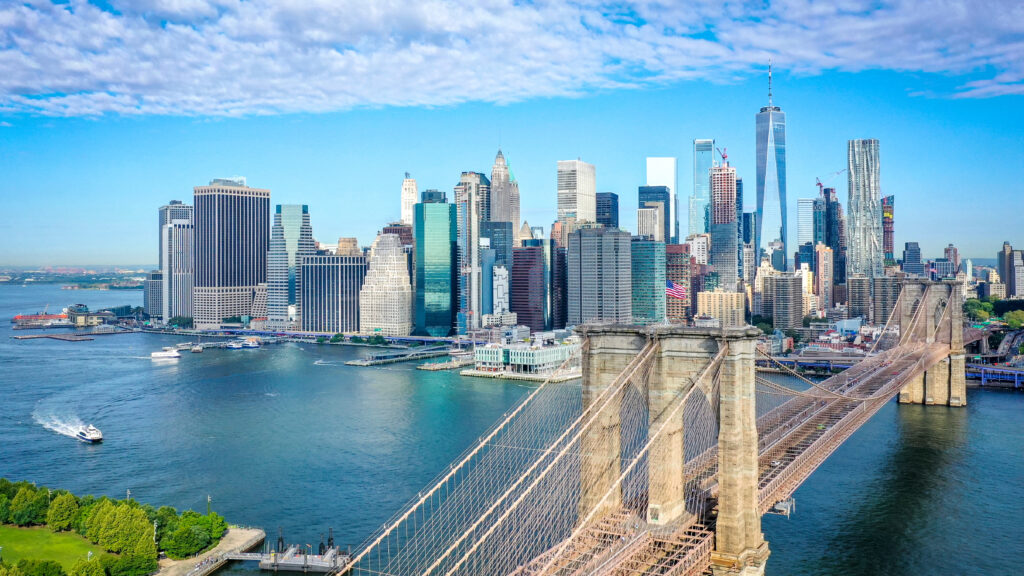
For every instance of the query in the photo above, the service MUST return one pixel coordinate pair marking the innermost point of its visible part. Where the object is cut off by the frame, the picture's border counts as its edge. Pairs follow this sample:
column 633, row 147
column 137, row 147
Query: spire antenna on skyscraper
column 769, row 82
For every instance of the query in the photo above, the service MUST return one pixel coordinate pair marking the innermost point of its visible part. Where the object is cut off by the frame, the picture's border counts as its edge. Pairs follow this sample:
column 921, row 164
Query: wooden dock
column 63, row 337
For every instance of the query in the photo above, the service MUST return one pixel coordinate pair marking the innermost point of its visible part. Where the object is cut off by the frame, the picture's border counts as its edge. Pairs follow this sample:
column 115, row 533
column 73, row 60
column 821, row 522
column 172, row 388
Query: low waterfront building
column 523, row 358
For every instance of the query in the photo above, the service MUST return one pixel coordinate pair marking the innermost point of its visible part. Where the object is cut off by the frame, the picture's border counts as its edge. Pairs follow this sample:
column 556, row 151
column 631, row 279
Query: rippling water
column 288, row 436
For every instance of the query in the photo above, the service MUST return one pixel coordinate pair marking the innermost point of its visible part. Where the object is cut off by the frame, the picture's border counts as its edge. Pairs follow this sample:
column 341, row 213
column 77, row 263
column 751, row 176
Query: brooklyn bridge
column 665, row 458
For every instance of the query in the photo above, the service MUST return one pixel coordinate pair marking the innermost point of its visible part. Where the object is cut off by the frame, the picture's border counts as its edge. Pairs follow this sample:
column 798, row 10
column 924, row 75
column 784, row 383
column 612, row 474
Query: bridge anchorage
column 663, row 459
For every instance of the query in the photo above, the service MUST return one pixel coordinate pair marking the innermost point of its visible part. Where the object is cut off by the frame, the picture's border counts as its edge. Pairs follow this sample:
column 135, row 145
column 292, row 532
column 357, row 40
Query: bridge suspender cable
column 604, row 398
column 454, row 469
column 713, row 363
column 632, row 368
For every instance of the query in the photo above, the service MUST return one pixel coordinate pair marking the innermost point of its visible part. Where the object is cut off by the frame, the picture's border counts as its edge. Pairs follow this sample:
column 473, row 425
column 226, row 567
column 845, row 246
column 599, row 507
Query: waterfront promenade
column 236, row 539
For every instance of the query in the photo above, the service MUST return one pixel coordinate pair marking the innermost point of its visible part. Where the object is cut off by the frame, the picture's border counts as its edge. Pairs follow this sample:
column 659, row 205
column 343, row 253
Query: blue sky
column 117, row 109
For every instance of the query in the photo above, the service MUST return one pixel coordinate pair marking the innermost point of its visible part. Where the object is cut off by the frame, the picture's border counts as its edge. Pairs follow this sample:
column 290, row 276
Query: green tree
column 187, row 540
column 1014, row 319
column 166, row 522
column 180, row 321
column 85, row 567
column 29, row 506
column 9, row 570
column 62, row 512
column 40, row 568
column 5, row 509
column 7, row 488
column 765, row 327
column 98, row 519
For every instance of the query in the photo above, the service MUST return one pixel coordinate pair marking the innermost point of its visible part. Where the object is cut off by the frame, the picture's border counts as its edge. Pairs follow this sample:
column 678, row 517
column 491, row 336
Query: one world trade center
column 771, row 181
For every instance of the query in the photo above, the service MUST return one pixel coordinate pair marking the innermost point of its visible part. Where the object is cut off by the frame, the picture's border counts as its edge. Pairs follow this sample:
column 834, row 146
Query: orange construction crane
column 829, row 178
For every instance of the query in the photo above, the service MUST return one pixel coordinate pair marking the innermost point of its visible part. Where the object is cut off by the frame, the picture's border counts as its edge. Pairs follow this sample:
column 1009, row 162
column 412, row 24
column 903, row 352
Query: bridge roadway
column 795, row 438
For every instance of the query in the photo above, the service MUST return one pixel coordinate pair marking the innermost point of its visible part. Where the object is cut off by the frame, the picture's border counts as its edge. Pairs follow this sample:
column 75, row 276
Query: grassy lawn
column 41, row 544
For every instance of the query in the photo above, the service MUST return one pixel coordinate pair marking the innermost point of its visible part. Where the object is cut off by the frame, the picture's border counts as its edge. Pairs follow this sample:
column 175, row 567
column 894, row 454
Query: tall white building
column 805, row 221
column 864, row 251
column 700, row 197
column 649, row 222
column 700, row 246
column 471, row 195
column 385, row 300
column 577, row 191
column 291, row 240
column 176, row 239
column 410, row 196
column 500, row 287
column 661, row 171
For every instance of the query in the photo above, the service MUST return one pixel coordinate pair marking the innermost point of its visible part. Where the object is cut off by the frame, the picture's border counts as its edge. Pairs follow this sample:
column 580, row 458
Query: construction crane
column 722, row 153
column 829, row 178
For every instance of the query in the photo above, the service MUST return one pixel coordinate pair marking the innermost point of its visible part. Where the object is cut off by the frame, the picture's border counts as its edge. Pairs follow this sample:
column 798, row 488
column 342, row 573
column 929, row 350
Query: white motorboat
column 167, row 353
column 89, row 434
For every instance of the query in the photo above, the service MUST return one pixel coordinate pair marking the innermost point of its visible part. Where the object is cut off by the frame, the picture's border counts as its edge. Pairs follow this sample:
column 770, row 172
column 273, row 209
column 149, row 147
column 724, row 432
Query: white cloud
column 234, row 57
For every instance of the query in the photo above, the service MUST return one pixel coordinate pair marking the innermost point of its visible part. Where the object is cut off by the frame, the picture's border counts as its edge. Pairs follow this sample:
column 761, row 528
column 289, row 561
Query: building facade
column 912, row 264
column 771, row 177
column 865, row 253
column 530, row 291
column 729, row 308
column 291, row 239
column 700, row 197
column 472, row 199
column 177, row 238
column 608, row 209
column 232, row 239
column 648, row 281
column 678, row 266
column 577, row 192
column 385, row 300
column 329, row 293
column 787, row 301
column 659, row 197
column 600, row 276
column 724, row 254
column 888, row 229
column 410, row 196
column 504, row 194
column 436, row 272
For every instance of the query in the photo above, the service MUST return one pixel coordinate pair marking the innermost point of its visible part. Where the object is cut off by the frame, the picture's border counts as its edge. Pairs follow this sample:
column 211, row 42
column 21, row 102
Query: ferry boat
column 234, row 345
column 197, row 349
column 251, row 343
column 166, row 353
column 89, row 434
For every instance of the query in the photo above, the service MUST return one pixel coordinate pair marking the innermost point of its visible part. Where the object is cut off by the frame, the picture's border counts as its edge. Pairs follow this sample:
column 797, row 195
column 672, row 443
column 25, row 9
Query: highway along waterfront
column 289, row 436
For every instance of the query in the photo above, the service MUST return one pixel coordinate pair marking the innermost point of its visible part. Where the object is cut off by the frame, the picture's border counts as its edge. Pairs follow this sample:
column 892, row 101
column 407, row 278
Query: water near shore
column 289, row 436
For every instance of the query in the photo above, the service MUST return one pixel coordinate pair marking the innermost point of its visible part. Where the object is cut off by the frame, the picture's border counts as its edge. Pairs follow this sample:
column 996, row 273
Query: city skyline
column 345, row 163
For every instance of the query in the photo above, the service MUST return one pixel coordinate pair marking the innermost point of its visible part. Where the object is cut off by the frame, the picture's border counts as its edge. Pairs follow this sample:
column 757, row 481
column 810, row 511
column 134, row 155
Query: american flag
column 674, row 290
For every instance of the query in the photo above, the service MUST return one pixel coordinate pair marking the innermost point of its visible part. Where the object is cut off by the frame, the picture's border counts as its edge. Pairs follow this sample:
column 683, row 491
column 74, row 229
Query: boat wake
column 64, row 425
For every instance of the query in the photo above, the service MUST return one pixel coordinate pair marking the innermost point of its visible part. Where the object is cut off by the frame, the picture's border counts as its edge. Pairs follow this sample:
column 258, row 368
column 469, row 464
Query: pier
column 392, row 358
column 449, row 365
column 296, row 559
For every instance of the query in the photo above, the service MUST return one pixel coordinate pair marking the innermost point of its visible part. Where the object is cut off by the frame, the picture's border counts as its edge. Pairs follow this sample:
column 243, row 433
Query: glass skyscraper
column 648, row 280
column 771, row 177
column 703, row 156
column 436, row 257
column 649, row 196
column 291, row 239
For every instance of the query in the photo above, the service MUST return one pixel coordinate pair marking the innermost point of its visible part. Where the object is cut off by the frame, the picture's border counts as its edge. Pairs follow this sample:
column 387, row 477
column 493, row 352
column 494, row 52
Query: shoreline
column 236, row 539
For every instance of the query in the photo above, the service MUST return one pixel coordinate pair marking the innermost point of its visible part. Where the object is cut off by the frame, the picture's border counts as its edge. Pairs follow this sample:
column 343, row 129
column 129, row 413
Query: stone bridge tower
column 944, row 383
column 680, row 356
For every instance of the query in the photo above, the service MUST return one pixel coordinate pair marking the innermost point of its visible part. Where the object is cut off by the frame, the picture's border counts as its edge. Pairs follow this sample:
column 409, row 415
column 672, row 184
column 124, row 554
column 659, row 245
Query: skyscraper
column 648, row 280
column 703, row 157
column 678, row 266
column 864, row 250
column 152, row 295
column 724, row 251
column 471, row 195
column 232, row 238
column 859, row 296
column 177, row 238
column 385, row 300
column 559, row 286
column 823, row 276
column 912, row 264
column 600, row 276
column 409, row 198
column 436, row 267
column 577, row 193
column 805, row 221
column 662, row 172
column 729, row 308
column 649, row 197
column 608, row 209
column 648, row 221
column 835, row 236
column 291, row 239
column 771, row 176
column 787, row 301
column 329, row 293
column 888, row 229
column 501, row 236
column 529, row 285
column 504, row 193
column 953, row 255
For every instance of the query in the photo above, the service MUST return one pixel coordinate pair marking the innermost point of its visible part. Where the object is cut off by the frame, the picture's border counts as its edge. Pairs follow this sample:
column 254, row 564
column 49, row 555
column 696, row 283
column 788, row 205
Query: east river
column 287, row 436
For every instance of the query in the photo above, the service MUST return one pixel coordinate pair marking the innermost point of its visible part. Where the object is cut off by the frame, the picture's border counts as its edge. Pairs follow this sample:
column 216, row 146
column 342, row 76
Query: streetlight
column 129, row 496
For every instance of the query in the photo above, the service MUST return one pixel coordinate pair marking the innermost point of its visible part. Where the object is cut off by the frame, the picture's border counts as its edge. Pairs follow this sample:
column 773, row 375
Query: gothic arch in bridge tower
column 940, row 323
